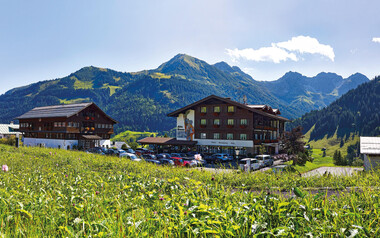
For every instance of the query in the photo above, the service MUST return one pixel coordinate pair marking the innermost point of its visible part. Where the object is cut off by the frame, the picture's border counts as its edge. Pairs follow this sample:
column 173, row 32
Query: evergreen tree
column 294, row 145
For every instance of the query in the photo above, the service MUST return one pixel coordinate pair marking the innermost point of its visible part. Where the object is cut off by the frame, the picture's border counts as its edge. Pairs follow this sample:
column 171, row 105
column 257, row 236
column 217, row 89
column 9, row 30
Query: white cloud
column 307, row 44
column 271, row 54
column 376, row 39
column 283, row 51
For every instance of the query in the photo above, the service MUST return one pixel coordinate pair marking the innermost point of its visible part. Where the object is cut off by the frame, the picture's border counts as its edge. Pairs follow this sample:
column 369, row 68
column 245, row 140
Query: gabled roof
column 165, row 141
column 370, row 145
column 66, row 110
column 252, row 108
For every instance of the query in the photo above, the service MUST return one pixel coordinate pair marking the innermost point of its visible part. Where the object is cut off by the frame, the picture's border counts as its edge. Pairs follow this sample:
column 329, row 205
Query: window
column 230, row 136
column 203, row 122
column 203, row 136
column 203, row 109
column 243, row 136
column 230, row 122
column 217, row 122
column 39, row 128
column 217, row 109
column 230, row 109
column 55, row 124
column 216, row 136
column 243, row 122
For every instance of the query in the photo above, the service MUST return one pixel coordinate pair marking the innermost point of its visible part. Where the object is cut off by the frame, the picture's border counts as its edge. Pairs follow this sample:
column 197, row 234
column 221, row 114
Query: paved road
column 332, row 171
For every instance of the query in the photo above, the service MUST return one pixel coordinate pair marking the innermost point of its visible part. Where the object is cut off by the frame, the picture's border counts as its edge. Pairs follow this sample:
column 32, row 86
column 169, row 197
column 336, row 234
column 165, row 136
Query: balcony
column 216, row 126
column 230, row 126
column 266, row 127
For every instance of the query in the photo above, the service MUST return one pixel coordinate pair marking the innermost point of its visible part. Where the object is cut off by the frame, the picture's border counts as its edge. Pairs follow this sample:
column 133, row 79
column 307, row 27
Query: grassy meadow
column 57, row 193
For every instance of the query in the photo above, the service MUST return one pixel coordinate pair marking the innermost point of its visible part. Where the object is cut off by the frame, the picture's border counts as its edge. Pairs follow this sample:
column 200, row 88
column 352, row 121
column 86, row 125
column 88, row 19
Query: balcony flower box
column 230, row 113
column 92, row 118
column 203, row 113
column 243, row 126
column 87, row 128
column 216, row 113
column 203, row 126
column 216, row 126
column 230, row 126
column 92, row 128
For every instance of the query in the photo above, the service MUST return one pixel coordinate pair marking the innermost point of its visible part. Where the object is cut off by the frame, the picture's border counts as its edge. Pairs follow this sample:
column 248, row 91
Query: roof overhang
column 226, row 100
column 165, row 141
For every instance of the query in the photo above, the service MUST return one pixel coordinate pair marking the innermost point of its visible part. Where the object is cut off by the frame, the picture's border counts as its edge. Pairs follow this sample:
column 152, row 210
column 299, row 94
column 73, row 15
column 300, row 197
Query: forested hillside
column 140, row 101
column 311, row 93
column 355, row 113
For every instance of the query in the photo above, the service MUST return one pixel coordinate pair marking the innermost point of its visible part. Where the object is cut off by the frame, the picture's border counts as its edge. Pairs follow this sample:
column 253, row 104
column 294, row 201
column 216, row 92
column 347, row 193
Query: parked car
column 184, row 162
column 130, row 156
column 169, row 162
column 96, row 150
column 143, row 151
column 115, row 152
column 211, row 159
column 267, row 159
column 255, row 164
column 180, row 155
column 130, row 151
column 163, row 156
column 223, row 157
column 149, row 156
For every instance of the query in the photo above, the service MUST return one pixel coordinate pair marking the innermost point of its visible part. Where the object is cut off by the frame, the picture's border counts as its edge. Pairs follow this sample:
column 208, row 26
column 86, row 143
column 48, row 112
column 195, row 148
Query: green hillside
column 311, row 93
column 140, row 101
column 339, row 125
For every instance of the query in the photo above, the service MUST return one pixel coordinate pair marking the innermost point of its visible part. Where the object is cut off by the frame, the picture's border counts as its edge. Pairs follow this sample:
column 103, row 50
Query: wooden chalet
column 82, row 126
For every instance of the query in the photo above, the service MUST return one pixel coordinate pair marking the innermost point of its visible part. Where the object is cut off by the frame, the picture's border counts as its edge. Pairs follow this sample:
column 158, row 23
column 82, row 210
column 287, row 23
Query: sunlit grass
column 56, row 193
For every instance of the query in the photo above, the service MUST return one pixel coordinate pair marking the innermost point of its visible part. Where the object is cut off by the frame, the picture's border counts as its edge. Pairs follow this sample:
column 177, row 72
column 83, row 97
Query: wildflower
column 161, row 198
column 184, row 204
column 97, row 192
column 155, row 213
column 185, row 213
column 5, row 168
column 66, row 175
column 212, row 179
column 50, row 153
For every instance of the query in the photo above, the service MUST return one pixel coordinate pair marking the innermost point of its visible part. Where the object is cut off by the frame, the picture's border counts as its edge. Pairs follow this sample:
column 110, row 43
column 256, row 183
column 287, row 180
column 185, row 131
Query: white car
column 130, row 156
column 255, row 164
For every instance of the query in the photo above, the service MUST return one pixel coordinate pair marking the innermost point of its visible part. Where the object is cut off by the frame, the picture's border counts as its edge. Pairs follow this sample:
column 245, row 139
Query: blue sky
column 41, row 40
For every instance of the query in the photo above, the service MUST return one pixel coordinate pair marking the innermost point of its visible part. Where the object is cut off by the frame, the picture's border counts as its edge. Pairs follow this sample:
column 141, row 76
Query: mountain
column 310, row 93
column 354, row 113
column 139, row 101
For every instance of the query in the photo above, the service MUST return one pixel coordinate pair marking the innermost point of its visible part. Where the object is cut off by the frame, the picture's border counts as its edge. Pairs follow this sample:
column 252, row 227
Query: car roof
column 245, row 159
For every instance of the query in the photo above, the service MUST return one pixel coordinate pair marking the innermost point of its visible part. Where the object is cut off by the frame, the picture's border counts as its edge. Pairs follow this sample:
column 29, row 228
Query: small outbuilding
column 370, row 148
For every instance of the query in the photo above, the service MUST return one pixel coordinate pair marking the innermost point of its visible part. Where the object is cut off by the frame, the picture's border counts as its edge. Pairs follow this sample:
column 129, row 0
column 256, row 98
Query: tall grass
column 49, row 192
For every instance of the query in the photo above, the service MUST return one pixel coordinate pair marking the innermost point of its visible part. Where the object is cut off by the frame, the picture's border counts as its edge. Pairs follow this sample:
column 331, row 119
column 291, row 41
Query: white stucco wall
column 181, row 123
column 105, row 143
column 51, row 143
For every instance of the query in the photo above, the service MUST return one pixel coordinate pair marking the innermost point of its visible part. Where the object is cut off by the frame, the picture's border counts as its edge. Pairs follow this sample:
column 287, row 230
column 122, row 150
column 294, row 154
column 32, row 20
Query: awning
column 91, row 137
column 165, row 141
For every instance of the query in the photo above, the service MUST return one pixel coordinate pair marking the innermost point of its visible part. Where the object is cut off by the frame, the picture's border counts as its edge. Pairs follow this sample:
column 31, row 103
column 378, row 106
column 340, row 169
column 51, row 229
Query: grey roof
column 55, row 111
column 370, row 145
column 7, row 129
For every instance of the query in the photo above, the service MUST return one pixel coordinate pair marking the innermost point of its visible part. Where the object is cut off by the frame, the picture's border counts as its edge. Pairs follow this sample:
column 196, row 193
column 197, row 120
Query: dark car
column 168, row 162
column 211, row 159
column 151, row 158
column 96, row 150
column 163, row 156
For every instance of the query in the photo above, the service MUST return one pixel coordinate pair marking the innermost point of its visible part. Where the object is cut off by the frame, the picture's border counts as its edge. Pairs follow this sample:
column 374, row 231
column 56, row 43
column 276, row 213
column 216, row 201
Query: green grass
column 56, row 193
column 332, row 143
column 132, row 136
column 111, row 87
column 76, row 100
column 78, row 84
column 319, row 161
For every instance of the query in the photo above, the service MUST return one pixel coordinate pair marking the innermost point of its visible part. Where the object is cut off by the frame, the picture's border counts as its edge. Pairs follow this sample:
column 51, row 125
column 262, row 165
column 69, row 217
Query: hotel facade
column 219, row 124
